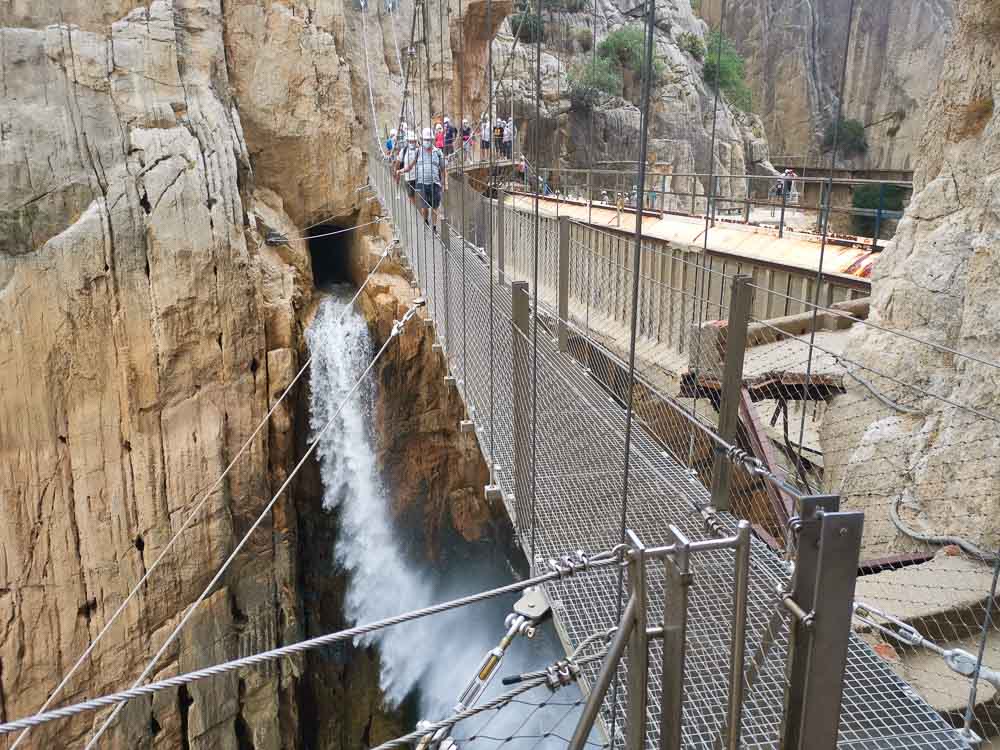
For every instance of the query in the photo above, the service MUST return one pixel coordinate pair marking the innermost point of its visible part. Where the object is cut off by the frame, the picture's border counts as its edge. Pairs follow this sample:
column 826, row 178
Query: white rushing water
column 436, row 655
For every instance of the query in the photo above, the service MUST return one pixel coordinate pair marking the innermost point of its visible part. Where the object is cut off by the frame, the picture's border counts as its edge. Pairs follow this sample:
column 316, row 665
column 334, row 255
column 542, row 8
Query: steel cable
column 190, row 517
column 396, row 331
column 599, row 561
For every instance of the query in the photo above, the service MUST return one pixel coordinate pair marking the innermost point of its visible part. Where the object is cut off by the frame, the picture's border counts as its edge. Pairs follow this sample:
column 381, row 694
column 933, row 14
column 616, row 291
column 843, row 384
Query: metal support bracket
column 676, row 582
column 829, row 549
column 562, row 332
column 740, row 301
column 638, row 649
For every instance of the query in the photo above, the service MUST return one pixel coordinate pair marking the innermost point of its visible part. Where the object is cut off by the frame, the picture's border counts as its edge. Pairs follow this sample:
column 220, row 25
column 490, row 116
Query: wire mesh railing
column 546, row 403
column 788, row 203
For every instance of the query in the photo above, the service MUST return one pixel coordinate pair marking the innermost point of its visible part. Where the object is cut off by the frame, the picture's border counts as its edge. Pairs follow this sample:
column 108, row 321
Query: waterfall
column 435, row 655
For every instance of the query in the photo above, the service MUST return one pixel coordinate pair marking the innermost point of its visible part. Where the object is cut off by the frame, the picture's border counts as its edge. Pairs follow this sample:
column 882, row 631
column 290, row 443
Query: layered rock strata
column 147, row 149
column 685, row 136
column 794, row 53
column 928, row 446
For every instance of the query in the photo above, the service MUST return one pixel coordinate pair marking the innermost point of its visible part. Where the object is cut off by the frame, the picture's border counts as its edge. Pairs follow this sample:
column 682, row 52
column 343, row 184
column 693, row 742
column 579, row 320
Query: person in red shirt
column 438, row 137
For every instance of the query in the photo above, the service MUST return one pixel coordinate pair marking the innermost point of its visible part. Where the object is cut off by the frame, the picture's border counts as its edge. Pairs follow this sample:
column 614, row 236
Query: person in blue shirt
column 390, row 142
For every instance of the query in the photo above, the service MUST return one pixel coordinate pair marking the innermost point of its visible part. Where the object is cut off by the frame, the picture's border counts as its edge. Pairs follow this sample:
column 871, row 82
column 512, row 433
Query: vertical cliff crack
column 244, row 736
column 3, row 700
column 184, row 701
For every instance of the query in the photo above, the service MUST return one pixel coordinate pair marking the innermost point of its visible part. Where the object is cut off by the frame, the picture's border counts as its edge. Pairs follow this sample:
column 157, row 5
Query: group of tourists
column 421, row 161
column 498, row 136
column 421, row 164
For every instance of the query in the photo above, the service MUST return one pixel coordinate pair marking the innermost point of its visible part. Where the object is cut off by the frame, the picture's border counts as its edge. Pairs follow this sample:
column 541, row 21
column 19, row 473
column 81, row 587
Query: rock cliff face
column 437, row 473
column 146, row 148
column 937, row 280
column 794, row 52
column 607, row 137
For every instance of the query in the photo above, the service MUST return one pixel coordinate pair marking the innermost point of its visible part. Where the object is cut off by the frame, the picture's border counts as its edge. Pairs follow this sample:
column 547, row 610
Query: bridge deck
column 577, row 504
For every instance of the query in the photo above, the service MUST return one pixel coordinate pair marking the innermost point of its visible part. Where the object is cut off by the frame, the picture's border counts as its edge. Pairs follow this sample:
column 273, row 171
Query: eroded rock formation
column 938, row 281
column 145, row 327
column 607, row 135
column 794, row 53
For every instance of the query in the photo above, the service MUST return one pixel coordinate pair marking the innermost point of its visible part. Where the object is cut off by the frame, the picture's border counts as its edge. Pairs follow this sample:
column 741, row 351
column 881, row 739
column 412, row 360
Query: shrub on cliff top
column 850, row 140
column 725, row 66
column 527, row 27
column 592, row 81
column 692, row 44
column 625, row 47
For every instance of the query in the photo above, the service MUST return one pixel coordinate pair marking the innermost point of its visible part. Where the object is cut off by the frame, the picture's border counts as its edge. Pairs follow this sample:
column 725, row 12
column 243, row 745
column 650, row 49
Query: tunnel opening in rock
column 330, row 252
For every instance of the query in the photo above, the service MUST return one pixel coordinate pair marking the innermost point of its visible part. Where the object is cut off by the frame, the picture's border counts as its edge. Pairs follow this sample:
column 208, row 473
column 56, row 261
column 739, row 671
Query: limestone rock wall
column 142, row 330
column 794, row 52
column 436, row 472
column 607, row 136
column 938, row 281
column 146, row 149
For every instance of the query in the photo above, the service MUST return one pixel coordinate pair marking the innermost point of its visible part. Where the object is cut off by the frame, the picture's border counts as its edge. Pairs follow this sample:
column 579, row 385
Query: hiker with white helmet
column 449, row 137
column 407, row 160
column 467, row 138
column 430, row 177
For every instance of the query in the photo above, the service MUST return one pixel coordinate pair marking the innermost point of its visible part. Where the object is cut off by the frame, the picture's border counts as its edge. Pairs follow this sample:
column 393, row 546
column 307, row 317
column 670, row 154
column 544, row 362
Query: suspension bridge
column 684, row 625
column 559, row 467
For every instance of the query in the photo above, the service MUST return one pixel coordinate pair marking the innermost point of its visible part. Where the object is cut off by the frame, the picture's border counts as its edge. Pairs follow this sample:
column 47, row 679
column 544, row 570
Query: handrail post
column 737, row 650
column 746, row 205
column 829, row 548
column 521, row 388
column 445, row 253
column 561, row 327
column 784, row 202
column 501, row 239
column 676, row 582
column 732, row 382
column 638, row 650
column 609, row 668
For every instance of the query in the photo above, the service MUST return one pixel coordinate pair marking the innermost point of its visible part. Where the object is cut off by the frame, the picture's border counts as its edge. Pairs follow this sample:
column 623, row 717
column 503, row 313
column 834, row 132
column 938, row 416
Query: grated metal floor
column 579, row 444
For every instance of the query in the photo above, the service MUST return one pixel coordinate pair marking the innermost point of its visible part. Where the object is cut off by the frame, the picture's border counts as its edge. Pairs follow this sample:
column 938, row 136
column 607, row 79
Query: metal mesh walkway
column 579, row 453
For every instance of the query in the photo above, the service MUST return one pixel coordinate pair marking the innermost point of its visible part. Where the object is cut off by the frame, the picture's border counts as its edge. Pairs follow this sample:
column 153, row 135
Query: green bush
column 527, row 27
column 583, row 37
column 725, row 67
column 592, row 81
column 625, row 48
column 851, row 140
column 692, row 44
column 867, row 196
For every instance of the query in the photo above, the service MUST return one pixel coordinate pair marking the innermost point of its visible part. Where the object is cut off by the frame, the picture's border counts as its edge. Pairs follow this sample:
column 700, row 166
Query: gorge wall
column 146, row 150
column 607, row 136
column 794, row 52
column 937, row 280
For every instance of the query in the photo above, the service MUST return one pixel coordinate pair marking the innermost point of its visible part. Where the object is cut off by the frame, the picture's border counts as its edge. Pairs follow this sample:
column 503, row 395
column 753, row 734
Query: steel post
column 746, row 203
column 638, row 650
column 501, row 238
column 878, row 215
column 829, row 547
column 784, row 203
column 740, row 301
column 562, row 331
column 445, row 253
column 676, row 581
column 520, row 395
column 737, row 651
column 609, row 668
